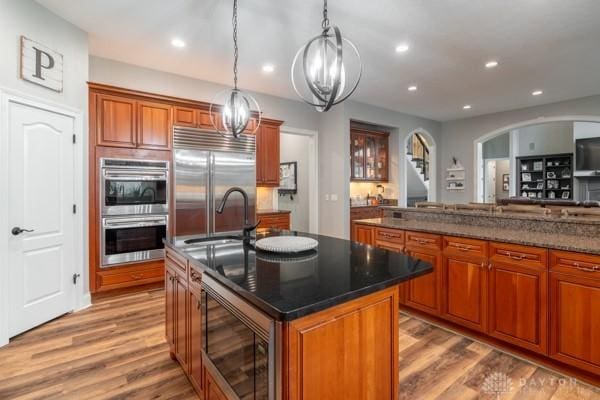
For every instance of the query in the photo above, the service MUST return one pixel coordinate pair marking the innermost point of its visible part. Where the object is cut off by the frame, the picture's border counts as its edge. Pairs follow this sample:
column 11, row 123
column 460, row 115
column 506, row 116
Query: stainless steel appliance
column 206, row 166
column 131, row 187
column 240, row 344
column 132, row 238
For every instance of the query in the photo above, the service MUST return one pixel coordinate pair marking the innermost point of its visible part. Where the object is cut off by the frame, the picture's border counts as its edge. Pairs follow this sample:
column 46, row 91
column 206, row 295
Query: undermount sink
column 205, row 241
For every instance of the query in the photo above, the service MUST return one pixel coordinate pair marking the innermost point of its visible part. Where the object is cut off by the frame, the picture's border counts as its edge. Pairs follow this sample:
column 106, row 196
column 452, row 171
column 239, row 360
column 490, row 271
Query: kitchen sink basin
column 205, row 241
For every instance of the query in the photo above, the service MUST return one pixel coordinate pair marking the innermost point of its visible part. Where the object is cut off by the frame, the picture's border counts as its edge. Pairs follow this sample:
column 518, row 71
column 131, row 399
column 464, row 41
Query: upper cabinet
column 369, row 155
column 126, row 122
column 267, row 153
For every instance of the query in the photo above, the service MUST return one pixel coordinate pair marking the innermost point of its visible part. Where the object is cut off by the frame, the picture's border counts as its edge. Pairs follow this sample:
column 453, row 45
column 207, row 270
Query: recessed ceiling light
column 536, row 92
column 268, row 68
column 178, row 43
column 412, row 88
column 401, row 48
column 467, row 107
column 491, row 64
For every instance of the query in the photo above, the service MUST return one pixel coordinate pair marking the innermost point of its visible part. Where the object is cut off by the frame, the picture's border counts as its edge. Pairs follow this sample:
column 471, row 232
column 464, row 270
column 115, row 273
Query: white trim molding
column 82, row 297
column 478, row 145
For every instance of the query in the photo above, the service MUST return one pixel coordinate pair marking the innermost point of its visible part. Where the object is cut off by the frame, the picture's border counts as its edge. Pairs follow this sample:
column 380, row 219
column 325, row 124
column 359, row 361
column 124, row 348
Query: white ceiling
column 553, row 45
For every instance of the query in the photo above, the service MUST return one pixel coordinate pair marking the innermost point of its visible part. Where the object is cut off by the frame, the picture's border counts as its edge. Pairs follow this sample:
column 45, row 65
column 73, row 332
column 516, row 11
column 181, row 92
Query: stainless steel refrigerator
column 205, row 166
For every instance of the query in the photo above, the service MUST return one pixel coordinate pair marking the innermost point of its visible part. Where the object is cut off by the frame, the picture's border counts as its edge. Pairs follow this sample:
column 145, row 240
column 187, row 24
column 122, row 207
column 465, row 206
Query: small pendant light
column 233, row 116
column 322, row 68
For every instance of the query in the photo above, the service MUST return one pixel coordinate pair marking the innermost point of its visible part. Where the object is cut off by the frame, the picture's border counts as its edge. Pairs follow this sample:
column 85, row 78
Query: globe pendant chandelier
column 233, row 116
column 327, row 69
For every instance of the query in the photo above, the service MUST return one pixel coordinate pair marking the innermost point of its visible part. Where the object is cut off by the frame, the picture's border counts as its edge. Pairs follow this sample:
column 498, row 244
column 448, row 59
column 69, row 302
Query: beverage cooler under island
column 322, row 324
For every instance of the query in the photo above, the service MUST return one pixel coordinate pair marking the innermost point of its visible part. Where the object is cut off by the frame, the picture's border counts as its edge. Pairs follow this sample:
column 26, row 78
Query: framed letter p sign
column 41, row 65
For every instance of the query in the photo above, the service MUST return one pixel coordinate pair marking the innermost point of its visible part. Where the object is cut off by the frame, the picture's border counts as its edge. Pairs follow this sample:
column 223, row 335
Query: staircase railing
column 420, row 153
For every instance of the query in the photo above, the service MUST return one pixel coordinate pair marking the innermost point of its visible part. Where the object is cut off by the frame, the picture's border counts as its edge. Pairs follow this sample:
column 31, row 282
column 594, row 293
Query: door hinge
column 75, row 276
column 74, row 138
column 74, row 208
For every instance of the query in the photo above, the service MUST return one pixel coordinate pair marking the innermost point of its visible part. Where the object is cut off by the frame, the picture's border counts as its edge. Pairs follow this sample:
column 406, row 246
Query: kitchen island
column 322, row 324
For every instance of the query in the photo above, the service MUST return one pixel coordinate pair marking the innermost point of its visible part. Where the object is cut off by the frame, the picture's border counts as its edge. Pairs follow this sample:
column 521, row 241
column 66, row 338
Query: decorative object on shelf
column 526, row 177
column 234, row 114
column 566, row 195
column 322, row 67
column 550, row 175
column 288, row 179
column 286, row 244
column 455, row 176
column 538, row 166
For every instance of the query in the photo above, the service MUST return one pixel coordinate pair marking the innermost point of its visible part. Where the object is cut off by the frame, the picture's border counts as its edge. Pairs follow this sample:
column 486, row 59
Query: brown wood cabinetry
column 424, row 292
column 267, row 154
column 154, row 126
column 366, row 212
column 211, row 389
column 364, row 234
column 170, row 308
column 177, row 301
column 574, row 315
column 185, row 116
column 116, row 122
column 518, row 301
column 195, row 340
column 369, row 158
column 274, row 220
column 464, row 282
column 363, row 365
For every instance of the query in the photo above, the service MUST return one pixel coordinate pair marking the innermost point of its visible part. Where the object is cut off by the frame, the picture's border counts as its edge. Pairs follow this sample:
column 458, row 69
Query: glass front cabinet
column 369, row 155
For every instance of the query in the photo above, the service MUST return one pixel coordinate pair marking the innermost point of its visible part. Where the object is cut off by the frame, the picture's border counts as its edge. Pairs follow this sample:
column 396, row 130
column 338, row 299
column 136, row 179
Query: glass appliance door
column 134, row 192
column 236, row 351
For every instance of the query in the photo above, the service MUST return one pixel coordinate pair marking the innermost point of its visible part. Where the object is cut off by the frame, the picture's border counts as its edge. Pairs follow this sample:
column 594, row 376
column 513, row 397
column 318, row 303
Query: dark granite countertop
column 290, row 287
column 583, row 244
column 272, row 211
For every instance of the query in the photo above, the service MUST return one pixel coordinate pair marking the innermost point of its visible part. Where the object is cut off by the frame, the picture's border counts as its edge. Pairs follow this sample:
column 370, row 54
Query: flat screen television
column 587, row 154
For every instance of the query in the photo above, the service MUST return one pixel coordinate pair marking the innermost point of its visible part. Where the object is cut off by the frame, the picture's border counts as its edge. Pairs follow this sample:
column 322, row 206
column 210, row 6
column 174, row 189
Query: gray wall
column 551, row 138
column 498, row 147
column 295, row 148
column 458, row 136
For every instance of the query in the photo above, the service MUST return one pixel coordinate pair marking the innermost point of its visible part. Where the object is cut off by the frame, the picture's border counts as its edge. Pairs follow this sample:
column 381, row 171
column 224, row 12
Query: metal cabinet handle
column 17, row 231
column 137, row 276
column 586, row 269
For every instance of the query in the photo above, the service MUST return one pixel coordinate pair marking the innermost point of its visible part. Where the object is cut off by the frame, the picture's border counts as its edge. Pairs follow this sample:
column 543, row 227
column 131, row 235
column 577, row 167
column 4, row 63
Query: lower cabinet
column 363, row 234
column 195, row 340
column 181, row 311
column 574, row 310
column 211, row 389
column 318, row 361
column 170, row 308
column 424, row 293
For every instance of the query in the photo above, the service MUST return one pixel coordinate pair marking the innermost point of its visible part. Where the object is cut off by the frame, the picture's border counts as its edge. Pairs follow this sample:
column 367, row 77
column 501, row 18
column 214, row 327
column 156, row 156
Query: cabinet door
column 154, row 127
column 170, row 307
column 518, row 305
column 464, row 283
column 381, row 167
column 204, row 120
column 424, row 292
column 575, row 319
column 267, row 156
column 184, row 116
column 115, row 121
column 357, row 156
column 211, row 390
column 370, row 158
column 364, row 234
column 181, row 311
column 195, row 340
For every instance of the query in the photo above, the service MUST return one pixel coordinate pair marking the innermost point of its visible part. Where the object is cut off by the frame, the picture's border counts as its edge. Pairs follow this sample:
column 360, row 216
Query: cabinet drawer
column 277, row 221
column 517, row 254
column 149, row 275
column 390, row 235
column 584, row 265
column 465, row 247
column 423, row 240
column 176, row 262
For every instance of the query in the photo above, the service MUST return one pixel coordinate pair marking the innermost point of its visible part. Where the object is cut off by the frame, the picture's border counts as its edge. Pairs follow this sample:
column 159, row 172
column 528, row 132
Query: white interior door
column 41, row 197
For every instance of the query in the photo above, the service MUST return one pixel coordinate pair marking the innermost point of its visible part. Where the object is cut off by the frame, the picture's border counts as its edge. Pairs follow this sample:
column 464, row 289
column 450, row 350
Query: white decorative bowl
column 286, row 244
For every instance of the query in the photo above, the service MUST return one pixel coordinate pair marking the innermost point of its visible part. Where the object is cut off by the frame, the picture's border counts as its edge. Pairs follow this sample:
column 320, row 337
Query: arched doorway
column 418, row 168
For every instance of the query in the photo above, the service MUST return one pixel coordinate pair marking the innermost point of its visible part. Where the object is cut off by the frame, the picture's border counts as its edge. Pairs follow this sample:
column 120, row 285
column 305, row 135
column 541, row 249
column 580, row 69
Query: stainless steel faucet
column 248, row 228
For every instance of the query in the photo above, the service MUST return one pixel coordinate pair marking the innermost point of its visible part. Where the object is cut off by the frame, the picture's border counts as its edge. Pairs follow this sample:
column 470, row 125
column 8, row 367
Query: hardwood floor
column 116, row 350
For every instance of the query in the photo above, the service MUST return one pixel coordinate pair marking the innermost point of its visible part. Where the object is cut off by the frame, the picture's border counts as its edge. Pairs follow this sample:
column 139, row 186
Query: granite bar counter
column 553, row 232
column 287, row 287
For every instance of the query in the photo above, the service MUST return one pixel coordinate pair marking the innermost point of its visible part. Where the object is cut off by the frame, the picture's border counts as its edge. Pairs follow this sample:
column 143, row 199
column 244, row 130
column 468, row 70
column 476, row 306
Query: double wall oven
column 134, row 204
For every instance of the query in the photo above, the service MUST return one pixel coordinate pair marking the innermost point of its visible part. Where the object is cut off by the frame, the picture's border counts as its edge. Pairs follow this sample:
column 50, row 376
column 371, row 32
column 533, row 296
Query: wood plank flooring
column 116, row 350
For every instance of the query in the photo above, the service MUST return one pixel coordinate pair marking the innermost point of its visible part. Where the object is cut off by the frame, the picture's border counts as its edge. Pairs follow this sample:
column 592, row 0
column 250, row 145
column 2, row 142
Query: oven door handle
column 135, row 176
column 134, row 224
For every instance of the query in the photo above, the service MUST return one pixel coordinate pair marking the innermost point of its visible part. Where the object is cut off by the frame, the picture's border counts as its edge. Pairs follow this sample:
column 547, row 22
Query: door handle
column 17, row 231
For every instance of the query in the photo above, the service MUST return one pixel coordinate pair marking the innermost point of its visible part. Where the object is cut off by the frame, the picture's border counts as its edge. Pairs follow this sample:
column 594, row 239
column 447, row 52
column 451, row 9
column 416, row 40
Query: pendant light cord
column 325, row 22
column 235, row 45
